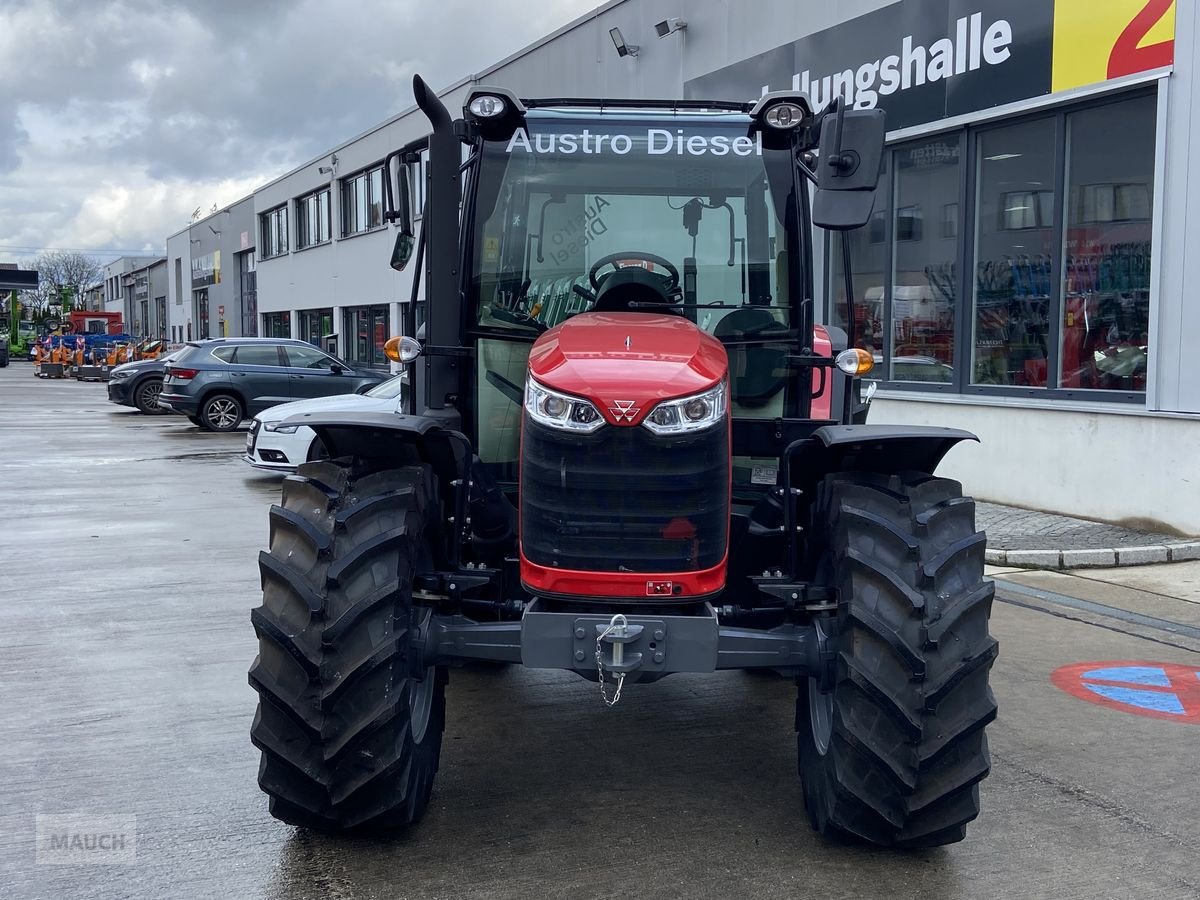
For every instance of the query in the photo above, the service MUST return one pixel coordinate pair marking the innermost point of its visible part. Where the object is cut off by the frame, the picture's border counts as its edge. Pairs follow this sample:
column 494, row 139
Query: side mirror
column 405, row 237
column 337, row 368
column 848, row 169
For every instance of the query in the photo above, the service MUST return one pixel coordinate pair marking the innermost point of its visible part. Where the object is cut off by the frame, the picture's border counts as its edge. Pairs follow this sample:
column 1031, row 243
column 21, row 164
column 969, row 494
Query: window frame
column 969, row 134
column 284, row 317
column 273, row 232
column 350, row 332
column 348, row 197
column 306, row 205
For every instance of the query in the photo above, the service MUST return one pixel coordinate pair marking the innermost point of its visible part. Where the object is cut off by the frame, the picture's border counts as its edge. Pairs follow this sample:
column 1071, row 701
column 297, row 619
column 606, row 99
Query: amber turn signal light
column 402, row 349
column 855, row 362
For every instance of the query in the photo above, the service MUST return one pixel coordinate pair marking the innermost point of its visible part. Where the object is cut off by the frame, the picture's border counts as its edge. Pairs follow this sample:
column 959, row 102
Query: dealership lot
column 129, row 557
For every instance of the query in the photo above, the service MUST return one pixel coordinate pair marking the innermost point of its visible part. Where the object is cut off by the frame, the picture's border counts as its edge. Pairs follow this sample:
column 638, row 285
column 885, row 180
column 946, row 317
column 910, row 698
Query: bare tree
column 59, row 272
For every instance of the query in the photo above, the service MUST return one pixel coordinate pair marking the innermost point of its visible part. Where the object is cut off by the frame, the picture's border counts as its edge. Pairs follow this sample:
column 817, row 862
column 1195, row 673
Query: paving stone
column 1011, row 528
column 1078, row 559
column 1136, row 556
column 1042, row 559
column 1186, row 550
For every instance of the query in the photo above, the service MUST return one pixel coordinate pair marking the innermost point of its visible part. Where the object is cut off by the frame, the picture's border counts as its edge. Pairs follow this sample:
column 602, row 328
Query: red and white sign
column 221, row 310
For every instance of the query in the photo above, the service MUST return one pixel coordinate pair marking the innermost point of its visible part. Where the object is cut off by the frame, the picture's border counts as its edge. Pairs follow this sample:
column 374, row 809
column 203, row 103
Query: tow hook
column 618, row 633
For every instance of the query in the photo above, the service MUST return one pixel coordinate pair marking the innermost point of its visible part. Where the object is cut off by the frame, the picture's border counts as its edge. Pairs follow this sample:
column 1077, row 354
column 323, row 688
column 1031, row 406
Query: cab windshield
column 693, row 202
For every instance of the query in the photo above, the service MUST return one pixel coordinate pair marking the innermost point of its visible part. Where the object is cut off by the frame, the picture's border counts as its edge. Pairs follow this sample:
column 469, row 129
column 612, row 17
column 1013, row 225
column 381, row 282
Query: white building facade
column 1025, row 273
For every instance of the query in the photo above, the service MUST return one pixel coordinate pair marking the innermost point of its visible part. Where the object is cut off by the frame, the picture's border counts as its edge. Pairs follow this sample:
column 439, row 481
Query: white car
column 283, row 448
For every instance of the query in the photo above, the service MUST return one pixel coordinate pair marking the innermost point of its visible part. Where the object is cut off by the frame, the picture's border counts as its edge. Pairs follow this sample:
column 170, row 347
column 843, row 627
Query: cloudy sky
column 117, row 119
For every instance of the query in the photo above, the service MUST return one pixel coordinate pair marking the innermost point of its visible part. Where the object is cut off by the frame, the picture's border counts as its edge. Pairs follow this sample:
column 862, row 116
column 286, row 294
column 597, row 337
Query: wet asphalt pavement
column 128, row 556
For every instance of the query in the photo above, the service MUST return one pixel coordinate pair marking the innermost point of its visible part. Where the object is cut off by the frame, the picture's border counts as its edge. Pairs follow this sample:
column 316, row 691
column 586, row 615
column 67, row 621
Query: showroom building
column 1024, row 273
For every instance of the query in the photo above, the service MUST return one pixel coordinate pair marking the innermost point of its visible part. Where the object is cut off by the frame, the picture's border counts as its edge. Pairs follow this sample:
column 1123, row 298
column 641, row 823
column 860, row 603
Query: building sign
column 206, row 269
column 924, row 60
column 1095, row 40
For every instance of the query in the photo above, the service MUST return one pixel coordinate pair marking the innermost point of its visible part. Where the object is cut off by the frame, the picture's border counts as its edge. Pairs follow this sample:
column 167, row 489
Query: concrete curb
column 1109, row 558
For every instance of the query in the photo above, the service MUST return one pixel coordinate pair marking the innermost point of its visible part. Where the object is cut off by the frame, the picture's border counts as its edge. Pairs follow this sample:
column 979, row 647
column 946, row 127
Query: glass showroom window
column 273, row 228
column 1015, row 243
column 277, row 325
column 367, row 330
column 1106, row 246
column 312, row 219
column 362, row 201
column 315, row 324
column 925, row 250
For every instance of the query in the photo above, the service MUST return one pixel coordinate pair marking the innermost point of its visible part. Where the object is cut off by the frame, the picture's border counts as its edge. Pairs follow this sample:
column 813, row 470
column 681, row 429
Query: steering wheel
column 671, row 278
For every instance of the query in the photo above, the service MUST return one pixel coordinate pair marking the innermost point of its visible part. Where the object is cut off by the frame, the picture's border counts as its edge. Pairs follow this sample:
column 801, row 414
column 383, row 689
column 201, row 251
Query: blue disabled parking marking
column 1155, row 689
column 1132, row 674
column 1162, row 702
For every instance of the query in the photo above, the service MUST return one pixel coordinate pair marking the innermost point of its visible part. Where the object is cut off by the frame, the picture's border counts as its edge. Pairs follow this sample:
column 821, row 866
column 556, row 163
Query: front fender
column 879, row 448
column 390, row 438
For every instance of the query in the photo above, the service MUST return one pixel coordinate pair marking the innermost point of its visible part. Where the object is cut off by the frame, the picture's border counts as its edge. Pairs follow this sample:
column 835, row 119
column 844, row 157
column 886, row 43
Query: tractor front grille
column 624, row 500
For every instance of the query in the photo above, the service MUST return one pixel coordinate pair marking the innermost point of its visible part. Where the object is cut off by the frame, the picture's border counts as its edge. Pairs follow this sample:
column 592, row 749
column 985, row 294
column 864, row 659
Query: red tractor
column 630, row 452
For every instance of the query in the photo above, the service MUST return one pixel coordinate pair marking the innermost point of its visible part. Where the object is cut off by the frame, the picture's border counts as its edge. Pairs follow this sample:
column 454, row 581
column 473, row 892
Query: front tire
column 892, row 752
column 221, row 412
column 349, row 728
column 146, row 397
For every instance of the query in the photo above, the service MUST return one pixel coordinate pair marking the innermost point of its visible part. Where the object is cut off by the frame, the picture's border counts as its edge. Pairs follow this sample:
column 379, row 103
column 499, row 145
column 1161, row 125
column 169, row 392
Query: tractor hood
column 627, row 362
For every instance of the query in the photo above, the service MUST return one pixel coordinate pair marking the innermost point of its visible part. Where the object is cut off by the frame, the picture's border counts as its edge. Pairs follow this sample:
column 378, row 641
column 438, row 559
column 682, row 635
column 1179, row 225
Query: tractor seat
column 628, row 286
column 757, row 372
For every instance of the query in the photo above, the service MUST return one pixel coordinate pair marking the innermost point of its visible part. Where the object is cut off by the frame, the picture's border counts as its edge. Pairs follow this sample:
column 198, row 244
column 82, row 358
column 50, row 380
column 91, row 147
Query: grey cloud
column 145, row 92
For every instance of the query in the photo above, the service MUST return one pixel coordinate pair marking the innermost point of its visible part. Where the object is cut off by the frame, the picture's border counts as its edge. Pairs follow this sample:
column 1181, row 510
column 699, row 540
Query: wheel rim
column 222, row 413
column 151, row 392
column 420, row 703
column 820, row 715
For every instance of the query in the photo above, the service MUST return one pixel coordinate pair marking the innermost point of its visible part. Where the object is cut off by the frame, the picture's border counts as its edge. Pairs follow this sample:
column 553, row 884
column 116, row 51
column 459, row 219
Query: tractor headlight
column 688, row 414
column 557, row 410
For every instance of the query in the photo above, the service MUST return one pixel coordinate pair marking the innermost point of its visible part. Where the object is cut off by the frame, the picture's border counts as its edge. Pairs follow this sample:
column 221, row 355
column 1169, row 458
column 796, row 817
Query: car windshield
column 390, row 389
column 564, row 202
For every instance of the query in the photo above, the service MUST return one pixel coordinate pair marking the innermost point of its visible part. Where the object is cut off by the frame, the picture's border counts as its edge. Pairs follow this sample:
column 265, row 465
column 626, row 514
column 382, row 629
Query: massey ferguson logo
column 624, row 410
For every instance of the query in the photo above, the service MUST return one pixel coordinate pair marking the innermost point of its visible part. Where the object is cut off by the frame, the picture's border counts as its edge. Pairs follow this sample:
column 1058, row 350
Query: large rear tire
column 892, row 752
column 350, row 727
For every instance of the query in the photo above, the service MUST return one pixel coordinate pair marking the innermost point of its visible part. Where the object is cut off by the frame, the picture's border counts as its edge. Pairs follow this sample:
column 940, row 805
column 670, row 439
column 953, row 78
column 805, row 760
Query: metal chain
column 612, row 626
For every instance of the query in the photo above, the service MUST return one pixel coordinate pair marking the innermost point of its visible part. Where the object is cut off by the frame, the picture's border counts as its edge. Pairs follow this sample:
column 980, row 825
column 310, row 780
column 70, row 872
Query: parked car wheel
column 146, row 398
column 221, row 412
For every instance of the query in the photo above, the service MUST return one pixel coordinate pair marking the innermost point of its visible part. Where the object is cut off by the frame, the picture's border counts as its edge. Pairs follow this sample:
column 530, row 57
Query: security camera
column 669, row 26
column 325, row 170
column 623, row 49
